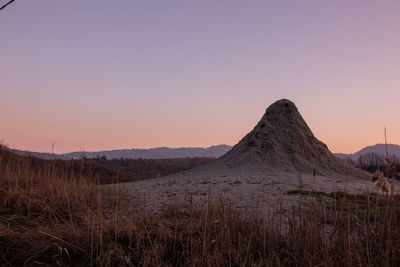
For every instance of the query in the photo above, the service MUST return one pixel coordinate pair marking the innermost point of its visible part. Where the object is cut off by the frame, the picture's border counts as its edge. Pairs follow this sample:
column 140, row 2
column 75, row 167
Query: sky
column 97, row 75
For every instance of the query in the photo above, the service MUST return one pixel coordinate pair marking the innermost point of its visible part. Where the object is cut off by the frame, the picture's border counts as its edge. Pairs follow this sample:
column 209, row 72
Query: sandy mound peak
column 282, row 140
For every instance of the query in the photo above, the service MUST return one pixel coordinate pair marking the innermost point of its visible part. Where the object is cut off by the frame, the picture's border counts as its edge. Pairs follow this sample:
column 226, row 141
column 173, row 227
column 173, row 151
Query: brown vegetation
column 106, row 171
column 141, row 169
column 53, row 218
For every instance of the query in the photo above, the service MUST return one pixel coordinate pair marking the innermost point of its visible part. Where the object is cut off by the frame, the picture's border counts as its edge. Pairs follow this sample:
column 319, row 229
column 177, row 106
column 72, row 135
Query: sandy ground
column 247, row 187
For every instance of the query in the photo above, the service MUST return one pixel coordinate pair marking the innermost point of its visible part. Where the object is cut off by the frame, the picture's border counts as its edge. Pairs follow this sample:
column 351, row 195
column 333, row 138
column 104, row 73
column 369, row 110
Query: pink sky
column 94, row 76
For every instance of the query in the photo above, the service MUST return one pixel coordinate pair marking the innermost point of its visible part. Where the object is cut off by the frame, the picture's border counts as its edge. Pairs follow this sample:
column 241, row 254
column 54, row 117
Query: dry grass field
column 62, row 219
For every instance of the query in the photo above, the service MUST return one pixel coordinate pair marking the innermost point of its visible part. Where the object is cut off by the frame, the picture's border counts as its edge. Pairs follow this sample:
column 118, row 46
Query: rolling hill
column 151, row 153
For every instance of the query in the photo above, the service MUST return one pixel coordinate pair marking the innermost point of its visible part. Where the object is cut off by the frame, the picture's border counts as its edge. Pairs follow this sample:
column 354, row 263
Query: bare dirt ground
column 246, row 187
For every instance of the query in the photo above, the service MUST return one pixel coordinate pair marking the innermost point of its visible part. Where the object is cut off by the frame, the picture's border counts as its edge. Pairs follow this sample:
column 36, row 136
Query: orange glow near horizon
column 338, row 135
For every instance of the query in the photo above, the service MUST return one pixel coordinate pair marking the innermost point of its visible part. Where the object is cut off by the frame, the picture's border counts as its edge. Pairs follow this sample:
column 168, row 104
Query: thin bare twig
column 387, row 154
column 1, row 8
column 62, row 240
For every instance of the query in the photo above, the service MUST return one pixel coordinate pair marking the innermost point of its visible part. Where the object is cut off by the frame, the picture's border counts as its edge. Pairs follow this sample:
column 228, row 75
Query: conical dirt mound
column 282, row 140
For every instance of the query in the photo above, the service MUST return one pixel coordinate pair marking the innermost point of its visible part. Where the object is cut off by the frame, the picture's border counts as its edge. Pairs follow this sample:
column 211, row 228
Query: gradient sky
column 97, row 75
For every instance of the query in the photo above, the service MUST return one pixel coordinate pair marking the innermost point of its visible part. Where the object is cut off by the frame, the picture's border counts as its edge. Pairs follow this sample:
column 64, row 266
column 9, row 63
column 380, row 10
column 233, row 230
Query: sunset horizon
column 53, row 145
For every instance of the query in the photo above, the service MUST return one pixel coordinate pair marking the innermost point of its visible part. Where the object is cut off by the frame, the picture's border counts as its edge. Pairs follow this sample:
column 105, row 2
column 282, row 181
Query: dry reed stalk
column 313, row 179
column 381, row 182
column 300, row 180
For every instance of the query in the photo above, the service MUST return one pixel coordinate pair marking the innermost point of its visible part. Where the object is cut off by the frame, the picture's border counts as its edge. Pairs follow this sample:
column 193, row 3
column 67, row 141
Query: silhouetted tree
column 373, row 162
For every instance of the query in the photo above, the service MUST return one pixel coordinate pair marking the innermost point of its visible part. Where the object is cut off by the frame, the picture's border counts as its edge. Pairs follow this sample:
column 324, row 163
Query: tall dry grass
column 52, row 219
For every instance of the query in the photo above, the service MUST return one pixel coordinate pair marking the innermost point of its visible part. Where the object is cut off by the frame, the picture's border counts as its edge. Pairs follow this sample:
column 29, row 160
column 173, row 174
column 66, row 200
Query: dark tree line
column 105, row 171
column 373, row 162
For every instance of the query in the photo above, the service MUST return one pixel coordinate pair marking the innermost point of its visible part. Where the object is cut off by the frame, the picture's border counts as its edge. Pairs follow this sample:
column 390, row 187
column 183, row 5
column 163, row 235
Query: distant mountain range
column 151, row 153
column 186, row 152
column 378, row 149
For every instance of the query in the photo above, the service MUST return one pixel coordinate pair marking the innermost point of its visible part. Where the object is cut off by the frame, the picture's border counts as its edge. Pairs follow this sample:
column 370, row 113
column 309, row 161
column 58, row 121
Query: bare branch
column 1, row 8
